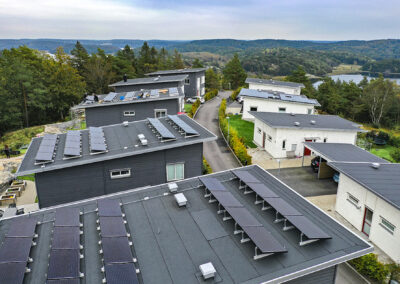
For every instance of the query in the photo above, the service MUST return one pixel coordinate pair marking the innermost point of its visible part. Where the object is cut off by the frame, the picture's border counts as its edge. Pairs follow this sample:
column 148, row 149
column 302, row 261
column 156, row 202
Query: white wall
column 389, row 243
column 269, row 105
column 287, row 90
column 297, row 136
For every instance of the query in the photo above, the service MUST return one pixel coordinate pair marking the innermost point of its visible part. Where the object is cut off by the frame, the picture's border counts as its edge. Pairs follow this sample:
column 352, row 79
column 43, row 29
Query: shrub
column 210, row 94
column 236, row 93
column 395, row 154
column 369, row 266
column 194, row 108
column 206, row 167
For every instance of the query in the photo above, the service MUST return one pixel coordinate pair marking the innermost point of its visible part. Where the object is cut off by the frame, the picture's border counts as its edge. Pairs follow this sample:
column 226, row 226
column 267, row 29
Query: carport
column 339, row 152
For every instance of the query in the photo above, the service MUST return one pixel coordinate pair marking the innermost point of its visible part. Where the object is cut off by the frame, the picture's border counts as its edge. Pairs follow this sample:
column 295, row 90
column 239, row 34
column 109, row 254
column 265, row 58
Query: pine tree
column 197, row 63
column 234, row 73
column 80, row 57
column 177, row 62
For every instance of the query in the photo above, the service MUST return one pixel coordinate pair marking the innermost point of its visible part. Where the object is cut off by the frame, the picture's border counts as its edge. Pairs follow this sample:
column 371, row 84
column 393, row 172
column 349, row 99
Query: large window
column 129, row 113
column 387, row 225
column 120, row 173
column 175, row 171
column 160, row 113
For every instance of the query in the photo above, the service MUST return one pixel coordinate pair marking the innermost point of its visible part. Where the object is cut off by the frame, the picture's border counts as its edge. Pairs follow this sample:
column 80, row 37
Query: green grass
column 16, row 139
column 188, row 107
column 27, row 177
column 383, row 152
column 244, row 128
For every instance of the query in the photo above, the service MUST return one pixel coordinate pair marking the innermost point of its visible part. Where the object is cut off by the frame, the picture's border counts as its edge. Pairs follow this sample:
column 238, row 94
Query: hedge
column 194, row 108
column 369, row 266
column 206, row 167
column 236, row 93
column 210, row 94
column 235, row 142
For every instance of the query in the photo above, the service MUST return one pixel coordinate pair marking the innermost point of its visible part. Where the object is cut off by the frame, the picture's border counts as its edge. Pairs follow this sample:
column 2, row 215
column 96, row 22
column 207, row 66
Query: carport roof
column 384, row 180
column 343, row 152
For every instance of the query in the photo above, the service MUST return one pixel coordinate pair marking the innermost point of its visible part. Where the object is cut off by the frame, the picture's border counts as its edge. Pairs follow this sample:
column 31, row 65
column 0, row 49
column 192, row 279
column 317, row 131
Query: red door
column 307, row 152
column 263, row 139
column 366, row 228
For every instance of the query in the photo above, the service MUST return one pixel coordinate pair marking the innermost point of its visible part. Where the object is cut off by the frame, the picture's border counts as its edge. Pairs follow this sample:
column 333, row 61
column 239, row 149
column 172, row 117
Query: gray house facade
column 194, row 83
column 129, row 85
column 131, row 106
column 114, row 158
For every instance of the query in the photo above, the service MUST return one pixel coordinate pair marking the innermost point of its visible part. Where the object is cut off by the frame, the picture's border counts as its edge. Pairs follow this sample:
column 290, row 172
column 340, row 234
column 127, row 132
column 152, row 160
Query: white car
column 194, row 99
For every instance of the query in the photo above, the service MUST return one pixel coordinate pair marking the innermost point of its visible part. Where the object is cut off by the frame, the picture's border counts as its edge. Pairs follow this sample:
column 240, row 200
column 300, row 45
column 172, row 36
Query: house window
column 120, row 173
column 269, row 138
column 353, row 200
column 310, row 111
column 259, row 130
column 129, row 113
column 187, row 81
column 387, row 225
column 325, row 139
column 160, row 113
column 283, row 144
column 282, row 109
column 175, row 171
column 253, row 108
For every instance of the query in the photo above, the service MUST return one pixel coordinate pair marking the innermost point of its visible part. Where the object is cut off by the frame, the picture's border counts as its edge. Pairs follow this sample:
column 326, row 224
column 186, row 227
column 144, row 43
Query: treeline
column 383, row 66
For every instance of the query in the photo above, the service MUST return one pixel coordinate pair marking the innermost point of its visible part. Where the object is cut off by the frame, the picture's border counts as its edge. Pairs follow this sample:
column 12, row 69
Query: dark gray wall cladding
column 128, row 88
column 114, row 114
column 81, row 182
column 325, row 276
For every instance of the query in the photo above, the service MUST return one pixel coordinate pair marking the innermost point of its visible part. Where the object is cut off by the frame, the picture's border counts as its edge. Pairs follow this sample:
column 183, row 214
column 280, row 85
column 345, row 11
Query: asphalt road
column 216, row 152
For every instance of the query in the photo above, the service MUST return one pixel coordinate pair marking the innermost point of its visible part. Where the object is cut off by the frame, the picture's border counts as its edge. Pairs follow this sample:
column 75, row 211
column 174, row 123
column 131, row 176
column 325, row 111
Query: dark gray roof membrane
column 177, row 71
column 274, row 82
column 150, row 80
column 271, row 95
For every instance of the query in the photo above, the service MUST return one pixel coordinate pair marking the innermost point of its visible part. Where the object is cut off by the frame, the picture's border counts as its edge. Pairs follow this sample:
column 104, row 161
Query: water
column 356, row 78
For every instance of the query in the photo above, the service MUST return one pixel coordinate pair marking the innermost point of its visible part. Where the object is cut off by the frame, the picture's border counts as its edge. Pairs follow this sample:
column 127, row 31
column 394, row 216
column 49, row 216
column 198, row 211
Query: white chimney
column 207, row 270
column 180, row 199
column 125, row 123
column 173, row 187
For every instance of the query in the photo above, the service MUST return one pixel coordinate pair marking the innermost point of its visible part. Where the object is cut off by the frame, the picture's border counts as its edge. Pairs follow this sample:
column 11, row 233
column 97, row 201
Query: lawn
column 188, row 107
column 18, row 138
column 383, row 152
column 244, row 128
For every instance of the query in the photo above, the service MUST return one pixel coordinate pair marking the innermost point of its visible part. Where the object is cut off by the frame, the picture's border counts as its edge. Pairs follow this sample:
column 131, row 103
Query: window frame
column 353, row 200
column 282, row 109
column 160, row 110
column 120, row 175
column 259, row 130
column 269, row 138
column 284, row 144
column 174, row 164
column 387, row 226
column 256, row 107
column 187, row 81
column 129, row 113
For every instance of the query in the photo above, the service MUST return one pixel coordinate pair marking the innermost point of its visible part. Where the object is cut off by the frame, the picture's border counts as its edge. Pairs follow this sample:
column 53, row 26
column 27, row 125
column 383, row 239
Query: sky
column 201, row 19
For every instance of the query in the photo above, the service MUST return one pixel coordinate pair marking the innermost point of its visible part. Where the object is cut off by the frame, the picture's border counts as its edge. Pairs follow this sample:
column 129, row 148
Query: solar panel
column 189, row 131
column 154, row 93
column 264, row 240
column 116, row 250
column 161, row 129
column 282, row 207
column 67, row 217
column 110, row 97
column 242, row 216
column 66, row 238
column 173, row 91
column 98, row 147
column 262, row 190
column 12, row 273
column 226, row 199
column 212, row 183
column 72, row 147
column 97, row 140
column 72, row 152
column 46, row 148
column 44, row 156
column 121, row 273
column 129, row 96
column 15, row 250
column 64, row 281
column 22, row 227
column 307, row 227
column 245, row 176
column 112, row 227
column 64, row 263
column 109, row 208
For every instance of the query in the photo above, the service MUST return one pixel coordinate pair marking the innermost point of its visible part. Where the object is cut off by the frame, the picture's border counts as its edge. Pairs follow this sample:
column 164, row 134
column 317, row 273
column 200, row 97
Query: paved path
column 216, row 152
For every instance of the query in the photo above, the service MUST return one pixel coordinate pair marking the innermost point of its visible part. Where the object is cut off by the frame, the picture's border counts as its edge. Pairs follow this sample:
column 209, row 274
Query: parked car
column 194, row 99
column 315, row 163
column 336, row 177
column 239, row 99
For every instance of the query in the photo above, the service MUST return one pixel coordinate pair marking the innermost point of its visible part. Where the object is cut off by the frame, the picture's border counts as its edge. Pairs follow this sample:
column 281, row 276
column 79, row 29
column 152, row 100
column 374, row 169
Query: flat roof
column 132, row 97
column 177, row 71
column 305, row 121
column 384, row 181
column 170, row 242
column 343, row 152
column 150, row 80
column 121, row 141
column 274, row 82
column 270, row 95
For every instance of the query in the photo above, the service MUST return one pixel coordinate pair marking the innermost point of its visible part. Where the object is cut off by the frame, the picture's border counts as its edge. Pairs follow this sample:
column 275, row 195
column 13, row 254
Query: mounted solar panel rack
column 47, row 149
column 182, row 126
column 284, row 212
column 73, row 145
column 129, row 96
column 110, row 97
column 97, row 141
column 160, row 130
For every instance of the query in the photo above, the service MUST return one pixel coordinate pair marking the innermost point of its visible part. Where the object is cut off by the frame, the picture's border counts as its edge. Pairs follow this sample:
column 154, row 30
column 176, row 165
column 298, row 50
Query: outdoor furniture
column 14, row 190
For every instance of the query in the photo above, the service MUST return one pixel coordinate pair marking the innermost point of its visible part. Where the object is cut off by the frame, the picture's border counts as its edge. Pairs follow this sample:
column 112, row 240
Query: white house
column 267, row 101
column 368, row 197
column 283, row 134
column 274, row 85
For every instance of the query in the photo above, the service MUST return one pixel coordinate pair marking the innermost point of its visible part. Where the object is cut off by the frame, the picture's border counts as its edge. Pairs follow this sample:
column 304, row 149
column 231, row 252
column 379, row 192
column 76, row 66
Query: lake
column 356, row 78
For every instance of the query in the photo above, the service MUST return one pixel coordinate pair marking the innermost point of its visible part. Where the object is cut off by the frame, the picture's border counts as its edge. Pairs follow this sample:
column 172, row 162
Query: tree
column 234, row 73
column 177, row 62
column 300, row 76
column 124, row 63
column 212, row 79
column 163, row 60
column 98, row 73
column 80, row 57
column 197, row 63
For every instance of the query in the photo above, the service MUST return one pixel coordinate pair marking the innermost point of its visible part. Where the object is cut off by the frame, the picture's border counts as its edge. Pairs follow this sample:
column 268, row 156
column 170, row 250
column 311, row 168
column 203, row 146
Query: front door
column 307, row 152
column 366, row 228
column 263, row 139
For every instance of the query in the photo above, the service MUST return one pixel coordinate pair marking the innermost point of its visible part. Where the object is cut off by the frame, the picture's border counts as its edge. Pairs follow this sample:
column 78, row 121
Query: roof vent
column 207, row 270
column 180, row 199
column 375, row 165
column 312, row 122
column 296, row 123
column 125, row 78
column 292, row 114
column 173, row 187
column 157, row 78
column 142, row 139
column 125, row 123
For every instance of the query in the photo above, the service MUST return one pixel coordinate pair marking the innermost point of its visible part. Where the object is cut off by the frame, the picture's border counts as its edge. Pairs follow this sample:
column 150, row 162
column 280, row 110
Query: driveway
column 218, row 155
column 304, row 181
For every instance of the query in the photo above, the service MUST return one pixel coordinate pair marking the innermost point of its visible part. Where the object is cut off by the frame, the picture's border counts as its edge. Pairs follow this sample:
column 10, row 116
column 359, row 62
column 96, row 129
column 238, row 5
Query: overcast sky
column 200, row 19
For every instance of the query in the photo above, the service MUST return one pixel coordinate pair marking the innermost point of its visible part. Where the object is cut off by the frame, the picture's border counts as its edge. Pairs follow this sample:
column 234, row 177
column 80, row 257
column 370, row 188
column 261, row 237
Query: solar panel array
column 15, row 250
column 173, row 91
column 119, row 267
column 110, row 97
column 284, row 212
column 47, row 147
column 97, row 141
column 154, row 94
column 245, row 223
column 160, row 130
column 182, row 126
column 64, row 262
column 73, row 144
column 129, row 96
